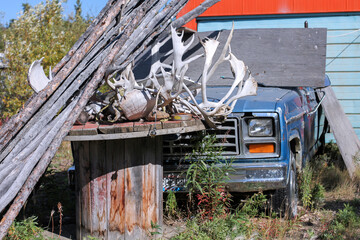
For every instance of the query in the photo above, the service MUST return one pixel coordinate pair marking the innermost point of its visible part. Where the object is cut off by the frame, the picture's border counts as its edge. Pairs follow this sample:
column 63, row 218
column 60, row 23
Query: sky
column 9, row 9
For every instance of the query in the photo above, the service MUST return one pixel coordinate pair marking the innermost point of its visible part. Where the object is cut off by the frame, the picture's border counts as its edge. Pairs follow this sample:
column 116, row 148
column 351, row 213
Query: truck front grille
column 227, row 136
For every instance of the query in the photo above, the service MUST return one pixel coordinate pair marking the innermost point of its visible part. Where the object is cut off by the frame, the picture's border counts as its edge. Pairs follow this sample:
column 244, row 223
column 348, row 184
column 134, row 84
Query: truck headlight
column 261, row 127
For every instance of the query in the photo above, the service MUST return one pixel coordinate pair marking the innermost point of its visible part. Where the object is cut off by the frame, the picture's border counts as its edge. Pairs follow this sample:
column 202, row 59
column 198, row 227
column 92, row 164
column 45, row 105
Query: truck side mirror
column 327, row 81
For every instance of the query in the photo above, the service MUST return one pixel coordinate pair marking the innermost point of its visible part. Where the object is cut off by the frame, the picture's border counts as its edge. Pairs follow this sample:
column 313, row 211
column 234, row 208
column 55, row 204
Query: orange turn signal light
column 261, row 148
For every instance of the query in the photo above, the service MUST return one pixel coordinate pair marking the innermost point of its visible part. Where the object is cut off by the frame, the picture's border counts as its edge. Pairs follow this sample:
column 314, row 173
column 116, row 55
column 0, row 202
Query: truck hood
column 265, row 100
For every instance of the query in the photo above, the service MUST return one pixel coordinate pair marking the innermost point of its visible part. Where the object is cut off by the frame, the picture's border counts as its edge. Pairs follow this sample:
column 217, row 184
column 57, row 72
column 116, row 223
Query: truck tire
column 285, row 200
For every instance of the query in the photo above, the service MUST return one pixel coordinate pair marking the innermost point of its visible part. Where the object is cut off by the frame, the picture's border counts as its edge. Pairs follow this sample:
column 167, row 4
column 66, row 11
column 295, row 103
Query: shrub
column 171, row 205
column 254, row 205
column 25, row 230
column 219, row 228
column 206, row 177
column 344, row 226
column 311, row 189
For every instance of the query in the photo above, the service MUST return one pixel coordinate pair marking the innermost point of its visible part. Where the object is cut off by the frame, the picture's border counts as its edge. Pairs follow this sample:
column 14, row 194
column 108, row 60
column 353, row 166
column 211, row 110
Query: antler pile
column 171, row 83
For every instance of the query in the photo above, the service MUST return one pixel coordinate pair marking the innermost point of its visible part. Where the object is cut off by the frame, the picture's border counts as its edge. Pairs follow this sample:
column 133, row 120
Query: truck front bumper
column 250, row 177
column 245, row 177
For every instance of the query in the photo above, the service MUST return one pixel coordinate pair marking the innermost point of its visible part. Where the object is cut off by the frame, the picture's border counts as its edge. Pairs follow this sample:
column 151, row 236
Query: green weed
column 27, row 229
column 171, row 207
column 228, row 227
column 311, row 189
column 344, row 226
column 155, row 229
column 206, row 177
column 254, row 205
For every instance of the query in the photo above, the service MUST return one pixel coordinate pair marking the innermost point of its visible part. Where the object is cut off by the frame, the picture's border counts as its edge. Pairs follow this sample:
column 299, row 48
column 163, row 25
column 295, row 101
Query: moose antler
column 170, row 81
column 225, row 106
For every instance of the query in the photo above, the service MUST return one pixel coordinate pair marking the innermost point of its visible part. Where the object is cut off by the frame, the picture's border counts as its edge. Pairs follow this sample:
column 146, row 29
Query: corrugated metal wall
column 343, row 49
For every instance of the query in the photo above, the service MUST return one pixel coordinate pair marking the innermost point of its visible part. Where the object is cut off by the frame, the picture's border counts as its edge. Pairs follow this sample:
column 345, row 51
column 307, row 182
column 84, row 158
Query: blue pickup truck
column 269, row 136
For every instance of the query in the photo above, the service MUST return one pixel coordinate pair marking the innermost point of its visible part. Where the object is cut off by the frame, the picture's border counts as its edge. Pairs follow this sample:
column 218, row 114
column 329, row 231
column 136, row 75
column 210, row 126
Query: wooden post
column 118, row 187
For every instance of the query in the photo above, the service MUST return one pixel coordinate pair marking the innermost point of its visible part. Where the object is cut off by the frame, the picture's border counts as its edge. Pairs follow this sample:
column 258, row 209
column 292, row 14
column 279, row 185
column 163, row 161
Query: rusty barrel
column 118, row 187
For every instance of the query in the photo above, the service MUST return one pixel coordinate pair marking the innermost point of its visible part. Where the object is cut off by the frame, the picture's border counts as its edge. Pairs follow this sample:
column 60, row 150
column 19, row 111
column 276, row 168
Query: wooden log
column 10, row 129
column 13, row 183
column 61, row 96
column 29, row 185
column 70, row 86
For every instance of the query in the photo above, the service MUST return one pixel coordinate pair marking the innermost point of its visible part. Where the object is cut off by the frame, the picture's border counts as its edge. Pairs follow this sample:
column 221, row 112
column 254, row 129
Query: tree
column 41, row 31
column 78, row 10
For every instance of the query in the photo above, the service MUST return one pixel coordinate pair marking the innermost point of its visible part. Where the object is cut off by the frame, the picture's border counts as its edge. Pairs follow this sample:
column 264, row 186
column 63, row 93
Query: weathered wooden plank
column 85, row 191
column 146, row 126
column 343, row 64
column 76, row 130
column 344, row 36
column 149, row 213
column 333, row 50
column 354, row 119
column 198, row 127
column 346, row 138
column 98, row 186
column 106, row 129
column 350, row 106
column 133, row 185
column 124, row 127
column 159, row 178
column 347, row 92
column 344, row 78
column 189, row 123
column 330, row 22
column 76, row 147
column 115, row 163
column 90, row 128
column 171, row 124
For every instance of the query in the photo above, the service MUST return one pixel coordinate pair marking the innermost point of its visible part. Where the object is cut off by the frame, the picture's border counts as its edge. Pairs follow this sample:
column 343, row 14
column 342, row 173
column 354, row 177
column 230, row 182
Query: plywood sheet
column 276, row 57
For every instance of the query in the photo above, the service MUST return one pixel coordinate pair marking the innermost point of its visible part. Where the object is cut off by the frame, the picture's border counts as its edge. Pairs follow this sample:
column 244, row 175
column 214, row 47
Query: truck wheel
column 285, row 200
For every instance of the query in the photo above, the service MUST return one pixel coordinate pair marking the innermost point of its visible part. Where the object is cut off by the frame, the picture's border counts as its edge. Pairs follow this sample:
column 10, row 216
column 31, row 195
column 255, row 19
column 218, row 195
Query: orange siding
column 264, row 7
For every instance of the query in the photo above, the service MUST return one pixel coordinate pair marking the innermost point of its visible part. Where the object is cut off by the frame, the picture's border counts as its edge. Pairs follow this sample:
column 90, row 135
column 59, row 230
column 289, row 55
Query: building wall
column 266, row 7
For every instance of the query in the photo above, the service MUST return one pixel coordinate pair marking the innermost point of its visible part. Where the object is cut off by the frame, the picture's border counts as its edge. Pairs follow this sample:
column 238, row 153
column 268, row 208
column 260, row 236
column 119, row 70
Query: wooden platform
column 96, row 132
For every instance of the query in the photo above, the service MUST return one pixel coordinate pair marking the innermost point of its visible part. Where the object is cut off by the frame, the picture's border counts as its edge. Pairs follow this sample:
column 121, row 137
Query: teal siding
column 342, row 56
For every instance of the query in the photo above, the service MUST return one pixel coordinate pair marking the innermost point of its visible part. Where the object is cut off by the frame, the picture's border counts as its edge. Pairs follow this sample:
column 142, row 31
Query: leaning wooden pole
column 345, row 136
column 142, row 18
column 62, row 69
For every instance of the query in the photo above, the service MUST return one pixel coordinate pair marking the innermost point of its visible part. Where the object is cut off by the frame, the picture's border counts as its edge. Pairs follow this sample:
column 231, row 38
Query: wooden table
column 119, row 177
